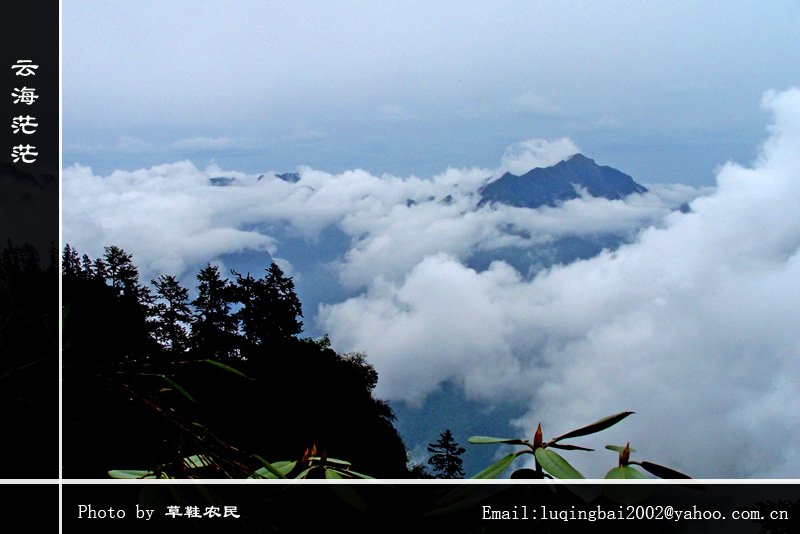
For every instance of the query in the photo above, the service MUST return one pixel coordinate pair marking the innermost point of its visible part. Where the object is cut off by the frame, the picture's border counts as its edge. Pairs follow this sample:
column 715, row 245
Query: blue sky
column 665, row 91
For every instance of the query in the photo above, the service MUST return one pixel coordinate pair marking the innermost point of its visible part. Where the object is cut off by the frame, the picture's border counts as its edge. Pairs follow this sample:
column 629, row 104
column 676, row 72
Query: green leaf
column 617, row 448
column 566, row 447
column 284, row 466
column 555, row 464
column 494, row 470
column 660, row 471
column 333, row 461
column 331, row 474
column 262, row 472
column 480, row 440
column 197, row 460
column 275, row 470
column 177, row 388
column 304, row 474
column 226, row 368
column 597, row 426
column 133, row 473
column 625, row 472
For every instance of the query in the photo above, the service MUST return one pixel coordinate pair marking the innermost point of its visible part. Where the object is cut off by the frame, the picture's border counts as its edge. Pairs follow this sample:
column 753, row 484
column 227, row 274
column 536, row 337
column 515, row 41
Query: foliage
column 358, row 363
column 549, row 464
column 625, row 469
column 419, row 470
column 311, row 465
column 70, row 263
column 270, row 308
column 127, row 367
column 172, row 311
column 446, row 459
column 121, row 273
column 214, row 330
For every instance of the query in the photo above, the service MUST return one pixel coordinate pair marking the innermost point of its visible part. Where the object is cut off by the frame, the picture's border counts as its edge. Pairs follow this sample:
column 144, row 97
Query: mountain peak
column 560, row 182
column 578, row 158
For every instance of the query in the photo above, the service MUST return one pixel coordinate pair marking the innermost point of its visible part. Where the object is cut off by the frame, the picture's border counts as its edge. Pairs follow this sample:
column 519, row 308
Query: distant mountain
column 222, row 182
column 291, row 177
column 529, row 261
column 552, row 185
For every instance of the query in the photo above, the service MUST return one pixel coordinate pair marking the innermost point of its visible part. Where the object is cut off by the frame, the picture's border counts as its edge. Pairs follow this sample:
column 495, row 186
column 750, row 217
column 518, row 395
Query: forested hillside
column 152, row 376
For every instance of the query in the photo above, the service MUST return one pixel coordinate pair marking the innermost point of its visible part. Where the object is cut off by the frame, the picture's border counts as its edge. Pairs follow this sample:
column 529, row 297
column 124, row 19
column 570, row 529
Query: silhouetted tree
column 246, row 292
column 120, row 271
column 70, row 263
column 365, row 370
column 214, row 330
column 418, row 470
column 99, row 269
column 100, row 312
column 270, row 307
column 87, row 267
column 172, row 312
column 445, row 459
column 284, row 301
column 127, row 405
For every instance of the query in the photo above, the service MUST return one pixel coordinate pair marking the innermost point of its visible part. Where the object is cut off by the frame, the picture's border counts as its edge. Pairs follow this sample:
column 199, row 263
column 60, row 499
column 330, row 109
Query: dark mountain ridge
column 561, row 182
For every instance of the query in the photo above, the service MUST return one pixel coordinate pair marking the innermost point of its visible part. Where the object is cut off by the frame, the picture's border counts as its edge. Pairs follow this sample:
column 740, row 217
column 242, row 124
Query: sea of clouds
column 694, row 323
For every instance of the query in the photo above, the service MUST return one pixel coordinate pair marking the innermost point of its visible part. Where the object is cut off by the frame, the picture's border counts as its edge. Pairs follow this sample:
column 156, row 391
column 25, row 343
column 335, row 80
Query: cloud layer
column 172, row 217
column 695, row 324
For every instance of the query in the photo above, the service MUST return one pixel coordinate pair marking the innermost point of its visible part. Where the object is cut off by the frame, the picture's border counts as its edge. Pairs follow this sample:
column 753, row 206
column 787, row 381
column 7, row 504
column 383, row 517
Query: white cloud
column 521, row 157
column 695, row 326
column 422, row 317
column 169, row 217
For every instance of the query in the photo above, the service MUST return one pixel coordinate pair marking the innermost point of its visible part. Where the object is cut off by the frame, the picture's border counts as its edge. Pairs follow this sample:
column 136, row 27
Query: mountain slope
column 561, row 182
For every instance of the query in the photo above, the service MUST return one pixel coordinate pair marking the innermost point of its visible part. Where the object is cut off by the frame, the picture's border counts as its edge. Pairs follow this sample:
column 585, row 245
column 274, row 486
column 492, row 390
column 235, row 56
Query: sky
column 395, row 118
column 667, row 91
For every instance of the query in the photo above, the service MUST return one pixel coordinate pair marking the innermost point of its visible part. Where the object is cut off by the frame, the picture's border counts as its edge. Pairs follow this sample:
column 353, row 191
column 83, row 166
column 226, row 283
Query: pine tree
column 247, row 316
column 121, row 272
column 284, row 302
column 445, row 459
column 270, row 307
column 119, row 315
column 214, row 330
column 99, row 269
column 70, row 263
column 87, row 271
column 172, row 312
